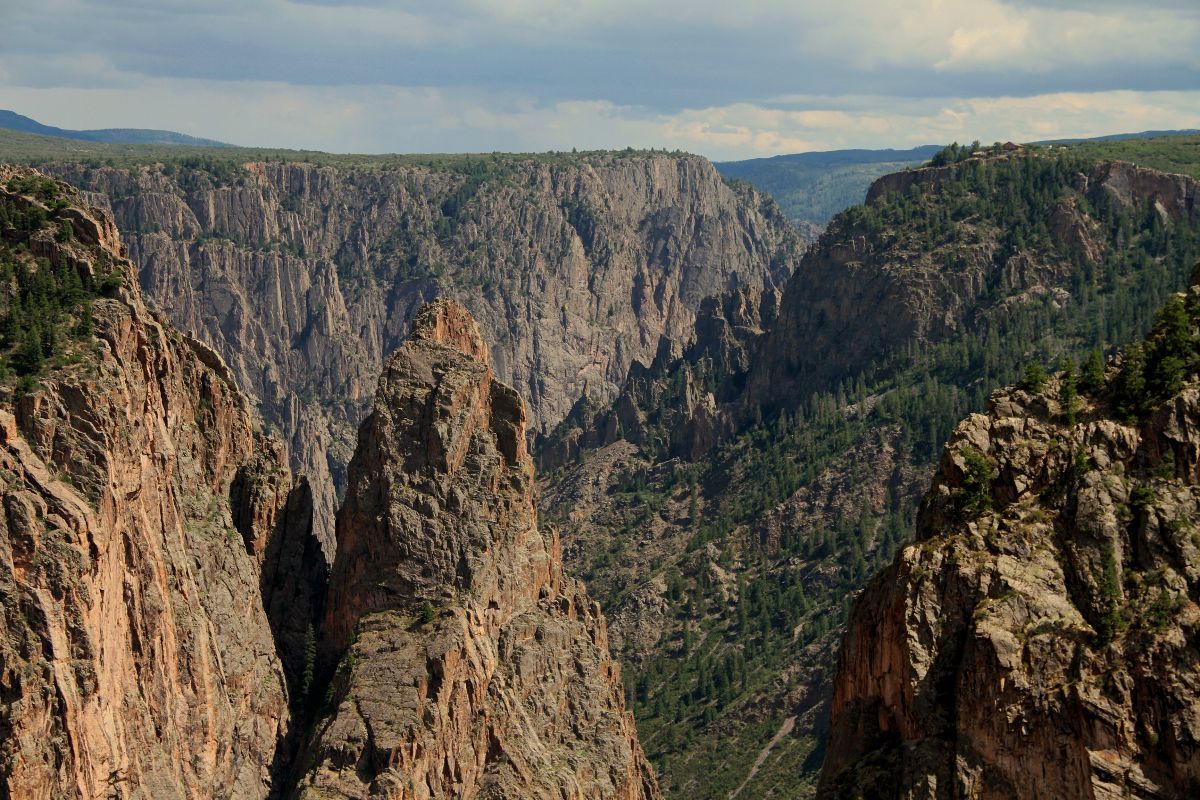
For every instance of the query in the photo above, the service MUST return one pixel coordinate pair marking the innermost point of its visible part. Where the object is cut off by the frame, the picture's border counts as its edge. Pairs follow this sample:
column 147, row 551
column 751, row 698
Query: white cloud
column 436, row 119
column 727, row 79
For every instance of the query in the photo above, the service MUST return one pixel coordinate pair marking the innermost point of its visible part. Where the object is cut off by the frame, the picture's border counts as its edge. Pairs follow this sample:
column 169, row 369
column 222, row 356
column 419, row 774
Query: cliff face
column 828, row 427
column 933, row 286
column 1039, row 639
column 686, row 400
column 139, row 500
column 467, row 664
column 304, row 277
column 162, row 603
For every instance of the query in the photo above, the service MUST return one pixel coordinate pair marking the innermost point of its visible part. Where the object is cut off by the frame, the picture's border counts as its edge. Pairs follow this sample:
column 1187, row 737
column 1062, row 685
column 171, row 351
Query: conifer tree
column 1034, row 377
column 1130, row 390
column 1091, row 380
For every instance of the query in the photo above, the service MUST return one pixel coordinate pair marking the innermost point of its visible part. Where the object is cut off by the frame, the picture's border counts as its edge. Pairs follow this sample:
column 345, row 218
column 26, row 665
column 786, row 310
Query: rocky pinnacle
column 465, row 664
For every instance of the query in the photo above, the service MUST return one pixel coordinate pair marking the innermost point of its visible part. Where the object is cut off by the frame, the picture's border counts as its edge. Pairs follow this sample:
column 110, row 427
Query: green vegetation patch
column 1176, row 154
column 225, row 163
column 44, row 305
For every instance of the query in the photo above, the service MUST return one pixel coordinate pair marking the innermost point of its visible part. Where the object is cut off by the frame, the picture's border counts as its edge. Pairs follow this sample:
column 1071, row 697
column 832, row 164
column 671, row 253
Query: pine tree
column 975, row 497
column 310, row 661
column 1173, row 350
column 1034, row 378
column 1112, row 620
column 1092, row 379
column 1130, row 390
column 29, row 360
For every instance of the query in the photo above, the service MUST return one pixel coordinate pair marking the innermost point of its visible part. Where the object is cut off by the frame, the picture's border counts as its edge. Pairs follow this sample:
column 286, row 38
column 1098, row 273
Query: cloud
column 438, row 119
column 733, row 77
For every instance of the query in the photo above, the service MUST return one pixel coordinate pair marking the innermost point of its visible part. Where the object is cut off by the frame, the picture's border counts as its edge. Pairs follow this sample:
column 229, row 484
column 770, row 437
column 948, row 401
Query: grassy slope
column 1177, row 154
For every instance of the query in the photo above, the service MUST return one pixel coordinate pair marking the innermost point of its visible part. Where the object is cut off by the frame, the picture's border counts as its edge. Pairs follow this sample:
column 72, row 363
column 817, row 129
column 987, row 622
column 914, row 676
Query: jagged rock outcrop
column 1039, row 638
column 685, row 401
column 304, row 277
column 139, row 499
column 468, row 665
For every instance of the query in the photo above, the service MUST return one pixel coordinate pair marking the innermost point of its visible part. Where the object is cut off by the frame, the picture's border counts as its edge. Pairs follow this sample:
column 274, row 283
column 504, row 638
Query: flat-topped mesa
column 467, row 664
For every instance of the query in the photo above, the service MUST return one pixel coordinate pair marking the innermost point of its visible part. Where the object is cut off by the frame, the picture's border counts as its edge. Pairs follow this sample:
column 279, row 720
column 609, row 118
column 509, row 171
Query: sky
column 729, row 79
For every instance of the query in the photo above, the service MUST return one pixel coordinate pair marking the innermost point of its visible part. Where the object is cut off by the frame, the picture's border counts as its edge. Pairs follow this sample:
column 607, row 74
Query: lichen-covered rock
column 1040, row 637
column 468, row 665
column 136, row 659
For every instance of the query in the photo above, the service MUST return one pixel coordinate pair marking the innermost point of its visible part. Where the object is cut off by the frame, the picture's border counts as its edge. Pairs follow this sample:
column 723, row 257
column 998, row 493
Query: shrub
column 975, row 496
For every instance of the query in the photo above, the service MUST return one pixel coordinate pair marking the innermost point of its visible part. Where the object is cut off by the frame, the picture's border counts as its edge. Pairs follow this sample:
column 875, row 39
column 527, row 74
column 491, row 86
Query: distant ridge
column 1118, row 137
column 17, row 122
column 825, row 158
column 812, row 187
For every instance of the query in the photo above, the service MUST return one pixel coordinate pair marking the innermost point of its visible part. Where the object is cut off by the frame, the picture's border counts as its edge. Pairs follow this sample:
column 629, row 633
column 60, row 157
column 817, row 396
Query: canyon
column 304, row 276
column 166, row 630
column 733, row 434
column 737, row 494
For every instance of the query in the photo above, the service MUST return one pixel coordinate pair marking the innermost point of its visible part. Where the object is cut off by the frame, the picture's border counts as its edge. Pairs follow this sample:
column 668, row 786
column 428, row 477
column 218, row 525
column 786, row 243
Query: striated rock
column 1174, row 196
column 304, row 277
column 1039, row 639
column 140, row 500
column 468, row 665
column 684, row 402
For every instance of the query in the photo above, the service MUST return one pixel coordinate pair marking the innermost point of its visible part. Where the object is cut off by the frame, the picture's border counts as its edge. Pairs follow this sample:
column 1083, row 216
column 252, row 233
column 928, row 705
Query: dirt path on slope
column 784, row 730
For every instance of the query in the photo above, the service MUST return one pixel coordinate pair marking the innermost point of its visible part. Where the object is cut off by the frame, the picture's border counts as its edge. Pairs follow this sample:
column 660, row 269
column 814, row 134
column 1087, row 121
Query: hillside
column 10, row 120
column 811, row 188
column 819, row 417
column 1037, row 639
